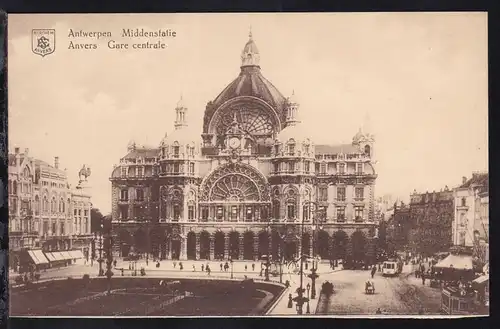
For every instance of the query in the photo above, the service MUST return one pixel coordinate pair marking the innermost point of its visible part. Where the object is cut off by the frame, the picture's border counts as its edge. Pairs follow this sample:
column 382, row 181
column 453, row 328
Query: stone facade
column 44, row 211
column 255, row 184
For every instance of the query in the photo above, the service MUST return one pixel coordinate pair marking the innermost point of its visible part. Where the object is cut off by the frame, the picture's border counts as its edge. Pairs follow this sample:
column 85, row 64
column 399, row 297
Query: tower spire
column 180, row 114
column 250, row 54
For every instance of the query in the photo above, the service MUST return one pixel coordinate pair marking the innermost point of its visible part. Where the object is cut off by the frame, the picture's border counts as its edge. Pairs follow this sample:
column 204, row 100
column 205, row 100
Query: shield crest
column 43, row 41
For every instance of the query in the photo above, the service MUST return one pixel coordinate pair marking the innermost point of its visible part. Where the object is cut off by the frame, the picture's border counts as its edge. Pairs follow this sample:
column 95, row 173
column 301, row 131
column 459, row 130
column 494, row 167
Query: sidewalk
column 281, row 307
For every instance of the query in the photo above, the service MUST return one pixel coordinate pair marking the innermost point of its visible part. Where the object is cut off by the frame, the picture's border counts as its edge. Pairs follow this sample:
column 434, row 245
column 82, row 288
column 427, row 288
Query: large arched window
column 37, row 205
column 53, row 206
column 45, row 204
column 276, row 209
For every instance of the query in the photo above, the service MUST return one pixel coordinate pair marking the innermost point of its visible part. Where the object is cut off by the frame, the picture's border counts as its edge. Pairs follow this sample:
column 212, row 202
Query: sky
column 420, row 78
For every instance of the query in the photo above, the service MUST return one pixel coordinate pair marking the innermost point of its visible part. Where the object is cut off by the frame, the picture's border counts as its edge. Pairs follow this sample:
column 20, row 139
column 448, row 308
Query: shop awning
column 59, row 255
column 50, row 256
column 66, row 255
column 483, row 279
column 76, row 254
column 458, row 262
column 38, row 257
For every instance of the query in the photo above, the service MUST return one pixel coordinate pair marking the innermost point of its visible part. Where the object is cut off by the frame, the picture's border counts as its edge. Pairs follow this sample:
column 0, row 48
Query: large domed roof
column 183, row 136
column 251, row 82
column 296, row 132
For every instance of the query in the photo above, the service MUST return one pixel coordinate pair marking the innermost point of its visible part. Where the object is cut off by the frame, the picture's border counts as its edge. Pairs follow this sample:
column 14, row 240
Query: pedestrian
column 373, row 271
column 202, row 267
column 208, row 270
column 221, row 266
column 175, row 263
column 194, row 268
column 253, row 266
column 423, row 278
column 379, row 268
column 180, row 266
column 245, row 267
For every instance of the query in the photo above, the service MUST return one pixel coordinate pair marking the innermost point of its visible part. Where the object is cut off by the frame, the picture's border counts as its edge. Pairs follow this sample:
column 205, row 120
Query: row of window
column 175, row 168
column 359, row 193
column 29, row 226
column 246, row 212
column 290, row 149
column 54, row 206
column 321, row 168
column 176, row 151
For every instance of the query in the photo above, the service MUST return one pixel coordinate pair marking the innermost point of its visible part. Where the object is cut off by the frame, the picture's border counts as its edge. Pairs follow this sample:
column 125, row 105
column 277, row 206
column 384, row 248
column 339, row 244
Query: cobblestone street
column 403, row 295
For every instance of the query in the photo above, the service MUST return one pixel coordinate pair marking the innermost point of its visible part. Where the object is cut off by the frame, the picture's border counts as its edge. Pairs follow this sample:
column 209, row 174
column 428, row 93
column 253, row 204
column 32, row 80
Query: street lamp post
column 308, row 310
column 100, row 251
column 313, row 275
column 231, row 261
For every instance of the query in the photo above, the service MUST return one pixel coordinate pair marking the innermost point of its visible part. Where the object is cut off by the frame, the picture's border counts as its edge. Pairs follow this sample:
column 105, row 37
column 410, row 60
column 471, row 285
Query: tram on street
column 391, row 268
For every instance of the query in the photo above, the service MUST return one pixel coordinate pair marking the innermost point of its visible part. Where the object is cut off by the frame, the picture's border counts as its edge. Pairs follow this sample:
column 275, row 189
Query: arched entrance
column 204, row 245
column 339, row 245
column 358, row 241
column 176, row 246
column 263, row 244
column 306, row 244
column 191, row 246
column 290, row 248
column 234, row 245
column 323, row 243
column 140, row 241
column 125, row 242
column 219, row 245
column 248, row 245
column 157, row 239
column 275, row 245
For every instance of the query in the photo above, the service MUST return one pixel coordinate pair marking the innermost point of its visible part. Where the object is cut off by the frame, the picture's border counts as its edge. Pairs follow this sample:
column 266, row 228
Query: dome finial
column 250, row 54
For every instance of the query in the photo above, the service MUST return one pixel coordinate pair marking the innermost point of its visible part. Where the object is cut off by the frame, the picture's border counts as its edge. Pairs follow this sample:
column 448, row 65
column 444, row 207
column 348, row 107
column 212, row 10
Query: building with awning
column 38, row 257
column 456, row 267
column 458, row 262
column 75, row 254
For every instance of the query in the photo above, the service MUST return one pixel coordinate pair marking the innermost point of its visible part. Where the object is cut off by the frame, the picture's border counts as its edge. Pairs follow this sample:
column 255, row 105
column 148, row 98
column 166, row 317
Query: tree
column 96, row 218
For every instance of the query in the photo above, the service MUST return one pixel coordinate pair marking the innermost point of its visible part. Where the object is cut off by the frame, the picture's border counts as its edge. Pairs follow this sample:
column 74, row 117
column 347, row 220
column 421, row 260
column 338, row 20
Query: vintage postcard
column 248, row 165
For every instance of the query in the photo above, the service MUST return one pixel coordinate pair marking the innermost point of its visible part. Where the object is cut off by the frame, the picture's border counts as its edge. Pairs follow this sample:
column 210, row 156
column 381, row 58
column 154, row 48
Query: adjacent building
column 254, row 184
column 44, row 211
column 471, row 217
column 432, row 214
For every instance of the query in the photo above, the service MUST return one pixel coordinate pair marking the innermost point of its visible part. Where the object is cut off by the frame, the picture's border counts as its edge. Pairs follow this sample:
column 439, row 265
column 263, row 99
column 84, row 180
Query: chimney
column 464, row 180
column 16, row 150
column 56, row 162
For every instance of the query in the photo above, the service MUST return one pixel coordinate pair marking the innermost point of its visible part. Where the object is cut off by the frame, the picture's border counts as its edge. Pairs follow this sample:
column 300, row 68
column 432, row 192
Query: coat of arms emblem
column 43, row 41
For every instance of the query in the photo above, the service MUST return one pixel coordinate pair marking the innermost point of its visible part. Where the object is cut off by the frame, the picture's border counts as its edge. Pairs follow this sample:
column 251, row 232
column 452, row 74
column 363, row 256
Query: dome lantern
column 292, row 109
column 250, row 55
column 181, row 111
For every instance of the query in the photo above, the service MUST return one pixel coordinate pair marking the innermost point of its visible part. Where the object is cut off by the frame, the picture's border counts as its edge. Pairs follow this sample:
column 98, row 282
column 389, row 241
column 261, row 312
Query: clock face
column 234, row 142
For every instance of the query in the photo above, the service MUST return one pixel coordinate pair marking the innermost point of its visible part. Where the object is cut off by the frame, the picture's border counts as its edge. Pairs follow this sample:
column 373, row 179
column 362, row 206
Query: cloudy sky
column 421, row 78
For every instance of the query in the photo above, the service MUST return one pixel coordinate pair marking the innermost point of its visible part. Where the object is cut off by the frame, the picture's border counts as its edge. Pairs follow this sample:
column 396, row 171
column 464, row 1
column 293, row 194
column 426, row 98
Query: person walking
column 423, row 278
column 374, row 269
column 245, row 267
column 180, row 266
column 253, row 266
column 194, row 268
column 202, row 267
column 175, row 263
column 208, row 270
column 221, row 266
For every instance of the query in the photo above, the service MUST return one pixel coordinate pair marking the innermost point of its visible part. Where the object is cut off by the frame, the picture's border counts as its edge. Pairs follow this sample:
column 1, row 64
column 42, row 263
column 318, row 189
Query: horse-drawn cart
column 369, row 288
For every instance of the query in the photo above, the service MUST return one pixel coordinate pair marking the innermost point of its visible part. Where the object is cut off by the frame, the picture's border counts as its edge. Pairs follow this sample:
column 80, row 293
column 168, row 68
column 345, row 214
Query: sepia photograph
column 248, row 165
